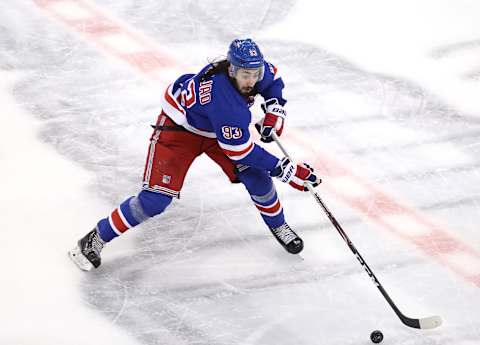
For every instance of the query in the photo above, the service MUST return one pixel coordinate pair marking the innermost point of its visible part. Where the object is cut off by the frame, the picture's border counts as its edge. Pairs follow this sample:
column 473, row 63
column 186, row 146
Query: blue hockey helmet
column 245, row 54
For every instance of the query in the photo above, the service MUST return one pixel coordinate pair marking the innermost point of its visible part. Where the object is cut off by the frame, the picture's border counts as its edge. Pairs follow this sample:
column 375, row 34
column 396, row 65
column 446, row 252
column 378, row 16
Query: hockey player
column 208, row 112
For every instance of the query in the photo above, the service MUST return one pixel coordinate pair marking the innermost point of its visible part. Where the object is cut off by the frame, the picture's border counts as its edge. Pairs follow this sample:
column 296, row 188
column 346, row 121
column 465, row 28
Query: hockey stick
column 423, row 323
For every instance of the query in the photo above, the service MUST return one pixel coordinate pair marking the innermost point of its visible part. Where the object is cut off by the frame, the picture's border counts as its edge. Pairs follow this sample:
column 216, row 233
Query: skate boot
column 288, row 238
column 87, row 252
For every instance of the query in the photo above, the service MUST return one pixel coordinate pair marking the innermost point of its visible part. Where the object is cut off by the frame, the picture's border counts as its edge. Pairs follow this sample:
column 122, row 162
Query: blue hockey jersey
column 214, row 108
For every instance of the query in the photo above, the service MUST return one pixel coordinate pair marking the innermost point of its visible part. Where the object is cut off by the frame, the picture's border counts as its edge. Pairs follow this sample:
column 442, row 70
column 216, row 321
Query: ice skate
column 87, row 252
column 288, row 238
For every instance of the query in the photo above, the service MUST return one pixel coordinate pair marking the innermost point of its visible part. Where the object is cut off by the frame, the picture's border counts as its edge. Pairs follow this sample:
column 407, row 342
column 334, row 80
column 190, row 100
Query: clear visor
column 245, row 74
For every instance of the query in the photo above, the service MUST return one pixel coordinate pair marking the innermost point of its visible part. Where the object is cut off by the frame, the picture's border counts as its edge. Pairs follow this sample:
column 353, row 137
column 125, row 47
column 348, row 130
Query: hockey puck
column 376, row 337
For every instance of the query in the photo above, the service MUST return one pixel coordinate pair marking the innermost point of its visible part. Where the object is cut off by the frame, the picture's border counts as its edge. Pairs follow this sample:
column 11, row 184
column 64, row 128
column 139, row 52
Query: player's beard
column 245, row 91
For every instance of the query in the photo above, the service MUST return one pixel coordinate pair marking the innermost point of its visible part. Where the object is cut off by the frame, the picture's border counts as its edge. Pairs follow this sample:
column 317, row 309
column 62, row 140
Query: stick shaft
column 430, row 322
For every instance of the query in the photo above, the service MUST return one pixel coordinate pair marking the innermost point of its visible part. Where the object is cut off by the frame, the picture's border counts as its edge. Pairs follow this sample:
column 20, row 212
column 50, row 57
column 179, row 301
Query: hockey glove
column 295, row 174
column 273, row 120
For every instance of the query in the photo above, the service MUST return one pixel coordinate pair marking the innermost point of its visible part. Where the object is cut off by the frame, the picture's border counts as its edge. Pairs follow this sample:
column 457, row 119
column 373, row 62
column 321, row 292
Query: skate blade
column 79, row 259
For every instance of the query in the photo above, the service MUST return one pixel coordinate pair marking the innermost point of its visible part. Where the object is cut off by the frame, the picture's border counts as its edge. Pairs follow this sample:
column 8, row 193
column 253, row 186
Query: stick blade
column 430, row 322
column 424, row 323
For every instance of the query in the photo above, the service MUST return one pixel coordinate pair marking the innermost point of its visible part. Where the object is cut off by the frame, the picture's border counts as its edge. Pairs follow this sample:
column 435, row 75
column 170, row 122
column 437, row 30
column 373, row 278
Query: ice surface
column 388, row 89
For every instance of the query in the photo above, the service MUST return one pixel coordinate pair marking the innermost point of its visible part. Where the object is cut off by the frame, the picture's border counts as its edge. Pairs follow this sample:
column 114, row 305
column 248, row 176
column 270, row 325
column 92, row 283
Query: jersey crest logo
column 230, row 132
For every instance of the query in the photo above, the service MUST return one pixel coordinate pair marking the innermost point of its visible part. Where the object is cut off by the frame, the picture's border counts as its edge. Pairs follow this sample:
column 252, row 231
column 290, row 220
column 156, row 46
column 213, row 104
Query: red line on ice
column 98, row 28
column 435, row 240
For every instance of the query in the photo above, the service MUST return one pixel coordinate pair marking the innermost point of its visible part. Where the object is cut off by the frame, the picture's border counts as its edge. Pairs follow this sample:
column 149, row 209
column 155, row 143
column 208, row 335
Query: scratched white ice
column 388, row 89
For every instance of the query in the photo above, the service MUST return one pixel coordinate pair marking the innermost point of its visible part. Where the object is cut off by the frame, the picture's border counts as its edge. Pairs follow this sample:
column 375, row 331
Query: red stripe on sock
column 271, row 209
column 117, row 221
